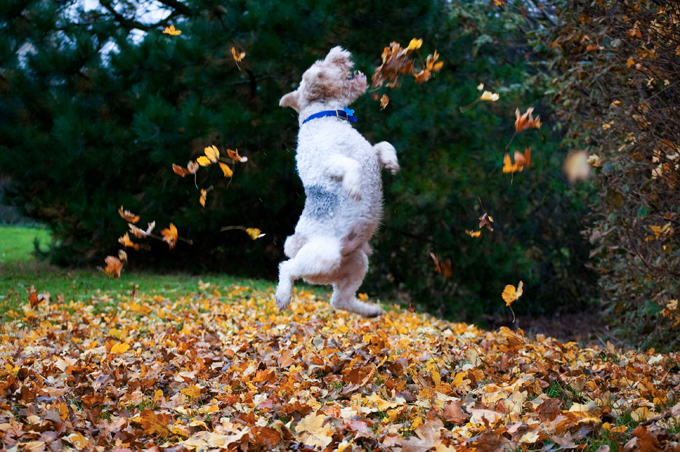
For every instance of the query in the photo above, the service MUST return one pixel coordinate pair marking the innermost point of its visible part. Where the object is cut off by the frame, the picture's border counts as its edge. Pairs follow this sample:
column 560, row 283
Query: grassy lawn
column 20, row 270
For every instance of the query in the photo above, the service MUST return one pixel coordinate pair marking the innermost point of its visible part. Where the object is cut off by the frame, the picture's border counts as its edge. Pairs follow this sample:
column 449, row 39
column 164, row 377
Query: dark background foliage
column 84, row 131
column 620, row 102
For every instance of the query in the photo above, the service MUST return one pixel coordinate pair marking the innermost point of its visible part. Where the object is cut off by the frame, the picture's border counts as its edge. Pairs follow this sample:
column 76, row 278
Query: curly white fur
column 340, row 172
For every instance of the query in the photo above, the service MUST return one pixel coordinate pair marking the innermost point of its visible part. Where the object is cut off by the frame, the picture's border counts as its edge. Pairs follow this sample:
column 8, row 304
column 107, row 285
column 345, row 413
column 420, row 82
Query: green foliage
column 86, row 132
column 618, row 101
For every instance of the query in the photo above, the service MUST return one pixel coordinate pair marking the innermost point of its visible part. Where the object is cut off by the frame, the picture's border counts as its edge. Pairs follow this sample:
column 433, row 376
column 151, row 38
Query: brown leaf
column 549, row 409
column 646, row 441
column 485, row 220
column 454, row 413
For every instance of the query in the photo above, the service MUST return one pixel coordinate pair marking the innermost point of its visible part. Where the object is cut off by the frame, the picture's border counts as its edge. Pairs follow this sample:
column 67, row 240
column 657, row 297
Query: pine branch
column 178, row 6
column 130, row 24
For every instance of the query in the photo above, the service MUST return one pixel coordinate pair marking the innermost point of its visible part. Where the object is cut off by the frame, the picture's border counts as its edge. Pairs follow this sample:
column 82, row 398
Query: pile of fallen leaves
column 225, row 370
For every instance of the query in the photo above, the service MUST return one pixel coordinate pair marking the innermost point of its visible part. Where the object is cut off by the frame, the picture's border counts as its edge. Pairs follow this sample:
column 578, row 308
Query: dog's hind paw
column 282, row 299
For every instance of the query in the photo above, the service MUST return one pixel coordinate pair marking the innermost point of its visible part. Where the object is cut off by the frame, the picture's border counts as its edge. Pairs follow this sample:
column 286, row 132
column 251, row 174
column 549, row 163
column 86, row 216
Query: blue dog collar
column 345, row 113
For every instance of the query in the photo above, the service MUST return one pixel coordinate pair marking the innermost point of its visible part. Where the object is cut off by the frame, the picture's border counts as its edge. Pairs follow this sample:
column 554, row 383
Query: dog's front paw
column 392, row 166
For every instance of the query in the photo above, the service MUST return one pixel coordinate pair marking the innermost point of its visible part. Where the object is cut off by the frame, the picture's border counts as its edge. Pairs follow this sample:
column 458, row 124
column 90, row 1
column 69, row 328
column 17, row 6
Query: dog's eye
column 349, row 75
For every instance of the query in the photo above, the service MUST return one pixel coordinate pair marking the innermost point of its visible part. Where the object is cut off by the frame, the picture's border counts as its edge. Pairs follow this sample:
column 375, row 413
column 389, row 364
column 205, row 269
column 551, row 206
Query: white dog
column 340, row 172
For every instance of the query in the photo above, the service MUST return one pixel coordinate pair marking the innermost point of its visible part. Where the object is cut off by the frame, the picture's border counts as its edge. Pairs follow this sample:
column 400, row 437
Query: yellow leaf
column 78, row 440
column 203, row 161
column 212, row 153
column 157, row 395
column 511, row 294
column 170, row 235
column 192, row 391
column 204, row 195
column 172, row 31
column 120, row 347
column 226, row 170
column 488, row 95
column 128, row 216
column 414, row 44
column 254, row 233
column 473, row 233
column 384, row 101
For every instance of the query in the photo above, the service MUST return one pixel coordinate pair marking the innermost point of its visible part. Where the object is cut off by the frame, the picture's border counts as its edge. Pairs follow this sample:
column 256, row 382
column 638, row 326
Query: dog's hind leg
column 316, row 259
column 355, row 267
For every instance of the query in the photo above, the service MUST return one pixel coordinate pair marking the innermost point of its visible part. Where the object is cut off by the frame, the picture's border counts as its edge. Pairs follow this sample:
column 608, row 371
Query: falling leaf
column 414, row 44
column 254, row 233
column 137, row 232
column 363, row 296
column 211, row 156
column 170, row 235
column 480, row 87
column 128, row 216
column 122, row 255
column 384, row 101
column 226, row 170
column 521, row 160
column 526, row 121
column 114, row 267
column 192, row 168
column 172, row 31
column 126, row 242
column 233, row 154
column 511, row 294
column 120, row 348
column 443, row 267
column 473, row 233
column 488, row 95
column 576, row 166
column 395, row 62
column 485, row 220
column 431, row 65
column 204, row 195
column 238, row 56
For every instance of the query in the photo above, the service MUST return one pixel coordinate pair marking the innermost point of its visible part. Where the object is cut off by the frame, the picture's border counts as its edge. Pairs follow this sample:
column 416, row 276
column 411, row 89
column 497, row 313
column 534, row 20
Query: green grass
column 20, row 270
column 16, row 243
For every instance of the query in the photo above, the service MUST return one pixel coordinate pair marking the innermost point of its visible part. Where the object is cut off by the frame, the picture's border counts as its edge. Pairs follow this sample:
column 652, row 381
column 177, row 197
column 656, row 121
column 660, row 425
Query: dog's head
column 328, row 81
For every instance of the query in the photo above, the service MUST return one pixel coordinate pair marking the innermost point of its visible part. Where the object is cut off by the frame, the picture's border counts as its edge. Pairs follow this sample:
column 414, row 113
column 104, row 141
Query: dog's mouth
column 351, row 75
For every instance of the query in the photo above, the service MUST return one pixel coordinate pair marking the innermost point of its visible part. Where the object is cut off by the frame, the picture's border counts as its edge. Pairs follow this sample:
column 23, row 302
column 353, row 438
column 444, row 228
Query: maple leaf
column 233, row 154
column 428, row 437
column 211, row 156
column 155, row 424
column 521, row 160
column 415, row 44
column 473, row 233
column 395, row 62
column 113, row 268
column 120, row 347
column 488, row 95
column 454, row 413
column 486, row 220
column 128, row 216
column 526, row 121
column 170, row 235
column 511, row 294
column 443, row 267
column 313, row 433
column 226, row 170
column 384, row 101
column 238, row 56
column 192, row 168
column 254, row 233
column 126, row 242
column 78, row 440
column 172, row 31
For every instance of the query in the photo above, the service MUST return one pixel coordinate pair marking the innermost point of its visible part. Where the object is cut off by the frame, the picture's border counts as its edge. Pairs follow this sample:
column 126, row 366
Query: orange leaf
column 170, row 235
column 443, row 267
column 473, row 233
column 384, row 100
column 526, row 121
column 128, row 216
column 234, row 155
column 511, row 294
column 254, row 233
column 125, row 241
column 191, row 168
column 237, row 56
column 204, row 195
column 113, row 267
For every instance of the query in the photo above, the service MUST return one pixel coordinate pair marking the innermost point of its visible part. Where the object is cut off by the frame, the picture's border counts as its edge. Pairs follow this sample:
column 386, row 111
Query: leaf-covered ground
column 226, row 371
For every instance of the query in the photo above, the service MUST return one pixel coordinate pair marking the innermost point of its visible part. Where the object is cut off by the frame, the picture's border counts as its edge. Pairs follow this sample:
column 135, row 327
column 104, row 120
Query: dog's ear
column 291, row 100
column 340, row 57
